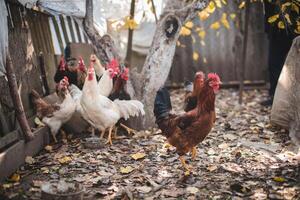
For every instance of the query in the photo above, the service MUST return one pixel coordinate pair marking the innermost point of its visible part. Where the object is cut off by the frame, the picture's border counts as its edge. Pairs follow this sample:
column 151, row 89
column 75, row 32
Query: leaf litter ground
column 244, row 157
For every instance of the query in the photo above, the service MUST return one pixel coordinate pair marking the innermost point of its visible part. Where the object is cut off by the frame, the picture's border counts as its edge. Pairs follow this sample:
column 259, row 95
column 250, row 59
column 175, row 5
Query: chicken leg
column 128, row 130
column 185, row 166
column 54, row 137
column 102, row 134
column 115, row 133
column 109, row 140
column 194, row 153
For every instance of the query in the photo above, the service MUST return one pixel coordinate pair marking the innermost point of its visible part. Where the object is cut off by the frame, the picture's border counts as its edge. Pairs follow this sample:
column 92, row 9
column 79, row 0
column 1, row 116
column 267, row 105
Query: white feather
column 61, row 116
column 105, row 84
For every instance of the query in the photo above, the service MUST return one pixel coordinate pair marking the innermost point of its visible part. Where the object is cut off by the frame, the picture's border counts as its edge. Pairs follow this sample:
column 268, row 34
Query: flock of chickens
column 97, row 93
column 101, row 103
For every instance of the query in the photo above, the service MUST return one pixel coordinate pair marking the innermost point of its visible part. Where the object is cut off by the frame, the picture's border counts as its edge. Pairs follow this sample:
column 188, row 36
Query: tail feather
column 35, row 94
column 162, row 103
column 129, row 108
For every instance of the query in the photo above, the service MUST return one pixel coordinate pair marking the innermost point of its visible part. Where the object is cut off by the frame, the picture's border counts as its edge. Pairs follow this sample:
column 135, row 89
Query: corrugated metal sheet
column 220, row 50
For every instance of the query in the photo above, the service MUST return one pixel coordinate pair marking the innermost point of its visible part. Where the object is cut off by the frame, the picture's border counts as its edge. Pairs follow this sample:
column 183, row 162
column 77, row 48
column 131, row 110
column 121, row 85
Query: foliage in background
column 286, row 18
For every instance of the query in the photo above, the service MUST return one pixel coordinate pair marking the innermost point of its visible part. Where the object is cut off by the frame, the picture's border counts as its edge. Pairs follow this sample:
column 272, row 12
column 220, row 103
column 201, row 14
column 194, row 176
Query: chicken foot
column 128, row 130
column 185, row 166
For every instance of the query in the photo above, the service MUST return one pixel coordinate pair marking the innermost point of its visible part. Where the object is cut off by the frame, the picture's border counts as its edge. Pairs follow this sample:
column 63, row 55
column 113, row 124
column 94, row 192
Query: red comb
column 213, row 76
column 66, row 78
column 62, row 64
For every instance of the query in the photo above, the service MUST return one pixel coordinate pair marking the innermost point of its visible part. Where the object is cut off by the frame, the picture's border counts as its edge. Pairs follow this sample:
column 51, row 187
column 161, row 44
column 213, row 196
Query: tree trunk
column 13, row 88
column 159, row 59
column 103, row 46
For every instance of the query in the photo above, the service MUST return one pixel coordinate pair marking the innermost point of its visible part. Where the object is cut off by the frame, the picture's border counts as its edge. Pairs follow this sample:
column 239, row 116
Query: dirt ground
column 244, row 157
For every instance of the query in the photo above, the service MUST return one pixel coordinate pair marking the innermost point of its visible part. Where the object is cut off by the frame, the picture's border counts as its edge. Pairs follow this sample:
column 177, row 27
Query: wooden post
column 244, row 55
column 130, row 34
column 13, row 88
column 43, row 74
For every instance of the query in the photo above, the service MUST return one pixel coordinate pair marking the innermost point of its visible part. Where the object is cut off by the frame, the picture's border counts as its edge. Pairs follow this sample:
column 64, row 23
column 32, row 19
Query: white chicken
column 55, row 115
column 100, row 111
column 105, row 86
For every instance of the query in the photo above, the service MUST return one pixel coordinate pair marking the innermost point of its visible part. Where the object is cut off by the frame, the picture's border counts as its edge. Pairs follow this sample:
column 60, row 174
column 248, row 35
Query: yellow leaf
column 45, row 170
column 215, row 25
column 138, row 156
column 48, row 148
column 202, row 34
column 193, row 39
column 224, row 2
column 225, row 21
column 130, row 23
column 65, row 160
column 203, row 15
column 242, row 5
column 189, row 24
column 7, row 185
column 211, row 7
column 38, row 122
column 288, row 19
column 232, row 16
column 218, row 3
column 279, row 179
column 295, row 8
column 185, row 31
column 285, row 5
column 195, row 56
column 126, row 170
column 15, row 177
column 281, row 25
column 273, row 18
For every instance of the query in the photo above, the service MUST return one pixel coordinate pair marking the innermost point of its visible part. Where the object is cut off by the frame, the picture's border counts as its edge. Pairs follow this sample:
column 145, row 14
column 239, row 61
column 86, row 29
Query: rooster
column 187, row 130
column 55, row 115
column 100, row 111
column 75, row 74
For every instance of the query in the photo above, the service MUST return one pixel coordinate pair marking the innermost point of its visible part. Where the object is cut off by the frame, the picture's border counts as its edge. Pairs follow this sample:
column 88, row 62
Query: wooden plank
column 9, row 139
column 20, row 150
column 63, row 25
column 78, row 32
column 71, row 28
column 3, row 123
column 58, row 33
column 8, row 165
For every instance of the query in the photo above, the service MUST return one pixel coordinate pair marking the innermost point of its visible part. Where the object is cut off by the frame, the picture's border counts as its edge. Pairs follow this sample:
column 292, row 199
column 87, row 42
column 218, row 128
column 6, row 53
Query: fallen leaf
column 45, row 170
column 48, row 148
column 126, row 170
column 38, row 122
column 138, row 156
column 144, row 189
column 29, row 160
column 279, row 179
column 15, row 177
column 65, row 160
column 212, row 168
column 192, row 190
